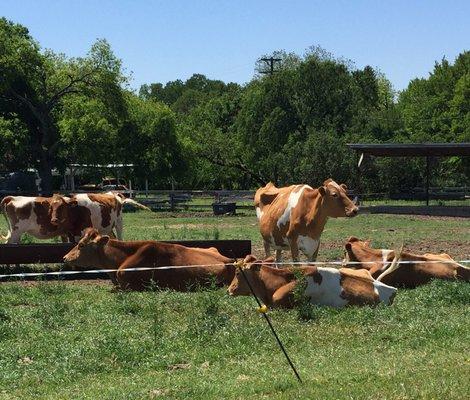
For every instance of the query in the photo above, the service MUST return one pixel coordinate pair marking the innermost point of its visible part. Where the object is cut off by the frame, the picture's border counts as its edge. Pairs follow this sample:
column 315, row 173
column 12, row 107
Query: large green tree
column 437, row 109
column 34, row 84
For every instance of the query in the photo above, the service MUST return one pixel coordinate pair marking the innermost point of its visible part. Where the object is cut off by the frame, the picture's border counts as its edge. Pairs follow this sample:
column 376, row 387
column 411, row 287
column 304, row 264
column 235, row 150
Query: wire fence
column 167, row 267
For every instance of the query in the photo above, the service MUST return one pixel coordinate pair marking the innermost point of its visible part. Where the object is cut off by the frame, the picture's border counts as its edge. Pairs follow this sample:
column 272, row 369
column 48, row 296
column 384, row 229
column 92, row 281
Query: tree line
column 286, row 127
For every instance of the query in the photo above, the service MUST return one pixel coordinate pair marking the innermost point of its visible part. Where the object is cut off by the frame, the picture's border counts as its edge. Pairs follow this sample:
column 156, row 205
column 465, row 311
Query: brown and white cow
column 324, row 286
column 30, row 215
column 97, row 251
column 102, row 211
column 293, row 217
column 68, row 217
column 421, row 270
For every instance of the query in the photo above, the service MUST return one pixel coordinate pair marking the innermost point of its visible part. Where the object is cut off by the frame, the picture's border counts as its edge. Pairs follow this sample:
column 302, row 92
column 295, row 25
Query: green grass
column 63, row 340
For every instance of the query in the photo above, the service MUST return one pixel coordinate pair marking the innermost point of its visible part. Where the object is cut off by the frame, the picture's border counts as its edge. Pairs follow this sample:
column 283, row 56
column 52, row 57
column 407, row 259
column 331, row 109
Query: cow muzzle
column 69, row 258
column 352, row 212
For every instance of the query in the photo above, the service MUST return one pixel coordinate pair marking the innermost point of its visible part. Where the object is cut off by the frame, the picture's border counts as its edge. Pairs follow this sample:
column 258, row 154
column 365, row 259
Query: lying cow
column 294, row 217
column 96, row 251
column 67, row 217
column 422, row 269
column 325, row 286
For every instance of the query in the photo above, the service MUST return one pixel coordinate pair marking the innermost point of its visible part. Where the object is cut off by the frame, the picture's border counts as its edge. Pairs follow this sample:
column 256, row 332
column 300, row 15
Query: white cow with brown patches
column 324, row 286
column 30, row 215
column 102, row 211
column 293, row 217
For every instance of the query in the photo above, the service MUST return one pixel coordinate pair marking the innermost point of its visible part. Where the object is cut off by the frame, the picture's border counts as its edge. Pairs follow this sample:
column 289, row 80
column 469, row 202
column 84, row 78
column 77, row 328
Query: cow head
column 61, row 208
column 353, row 248
column 239, row 286
column 336, row 201
column 87, row 253
column 357, row 250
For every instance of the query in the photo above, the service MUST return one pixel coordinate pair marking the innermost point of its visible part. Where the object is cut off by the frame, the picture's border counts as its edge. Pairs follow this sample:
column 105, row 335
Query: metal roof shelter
column 427, row 150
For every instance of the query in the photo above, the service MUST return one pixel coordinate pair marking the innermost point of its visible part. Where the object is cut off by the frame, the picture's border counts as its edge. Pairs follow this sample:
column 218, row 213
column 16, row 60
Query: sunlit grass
column 62, row 340
column 83, row 341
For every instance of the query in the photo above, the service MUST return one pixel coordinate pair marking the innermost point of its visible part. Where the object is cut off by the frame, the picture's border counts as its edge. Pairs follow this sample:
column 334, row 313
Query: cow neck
column 115, row 252
column 316, row 217
column 271, row 279
column 370, row 255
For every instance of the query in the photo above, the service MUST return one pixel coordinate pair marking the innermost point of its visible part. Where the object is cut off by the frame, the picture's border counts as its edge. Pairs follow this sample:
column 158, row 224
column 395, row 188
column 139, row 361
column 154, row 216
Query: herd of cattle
column 291, row 218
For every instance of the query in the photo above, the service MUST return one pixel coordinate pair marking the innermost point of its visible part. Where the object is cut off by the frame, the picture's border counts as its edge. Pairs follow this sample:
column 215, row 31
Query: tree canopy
column 286, row 127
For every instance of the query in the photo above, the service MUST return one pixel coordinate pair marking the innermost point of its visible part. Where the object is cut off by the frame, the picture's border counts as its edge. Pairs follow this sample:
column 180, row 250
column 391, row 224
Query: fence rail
column 53, row 253
column 171, row 200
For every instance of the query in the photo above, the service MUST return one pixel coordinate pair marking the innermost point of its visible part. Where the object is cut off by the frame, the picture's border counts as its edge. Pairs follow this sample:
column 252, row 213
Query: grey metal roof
column 412, row 149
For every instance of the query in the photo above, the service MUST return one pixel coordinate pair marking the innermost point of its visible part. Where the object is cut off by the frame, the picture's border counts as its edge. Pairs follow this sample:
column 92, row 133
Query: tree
column 437, row 109
column 34, row 84
column 150, row 142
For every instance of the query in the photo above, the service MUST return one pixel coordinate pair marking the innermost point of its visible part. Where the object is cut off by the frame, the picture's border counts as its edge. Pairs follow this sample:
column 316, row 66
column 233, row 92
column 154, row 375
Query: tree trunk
column 45, row 173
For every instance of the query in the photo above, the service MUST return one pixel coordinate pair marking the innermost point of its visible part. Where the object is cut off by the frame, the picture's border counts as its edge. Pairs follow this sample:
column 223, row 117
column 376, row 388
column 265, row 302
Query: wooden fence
column 48, row 253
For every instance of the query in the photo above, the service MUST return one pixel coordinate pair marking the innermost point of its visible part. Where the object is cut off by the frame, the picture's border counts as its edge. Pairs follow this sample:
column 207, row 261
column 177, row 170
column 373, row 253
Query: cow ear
column 72, row 203
column 322, row 190
column 102, row 240
column 249, row 259
column 344, row 187
column 255, row 266
column 90, row 234
column 348, row 246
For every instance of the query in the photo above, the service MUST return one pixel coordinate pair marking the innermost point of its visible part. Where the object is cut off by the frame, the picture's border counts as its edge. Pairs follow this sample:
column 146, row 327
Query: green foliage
column 288, row 127
column 437, row 109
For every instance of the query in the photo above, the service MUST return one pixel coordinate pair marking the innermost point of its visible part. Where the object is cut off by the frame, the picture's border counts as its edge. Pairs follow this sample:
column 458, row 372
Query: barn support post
column 360, row 159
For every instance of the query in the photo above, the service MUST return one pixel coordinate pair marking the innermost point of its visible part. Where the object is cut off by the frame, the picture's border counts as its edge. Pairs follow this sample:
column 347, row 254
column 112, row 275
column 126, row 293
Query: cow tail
column 3, row 205
column 136, row 204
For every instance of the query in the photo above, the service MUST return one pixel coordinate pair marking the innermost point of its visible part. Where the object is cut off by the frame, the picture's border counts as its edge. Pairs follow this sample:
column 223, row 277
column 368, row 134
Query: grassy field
column 63, row 340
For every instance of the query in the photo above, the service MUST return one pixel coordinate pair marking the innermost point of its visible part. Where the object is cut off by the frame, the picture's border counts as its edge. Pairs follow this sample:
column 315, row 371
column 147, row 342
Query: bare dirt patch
column 81, row 282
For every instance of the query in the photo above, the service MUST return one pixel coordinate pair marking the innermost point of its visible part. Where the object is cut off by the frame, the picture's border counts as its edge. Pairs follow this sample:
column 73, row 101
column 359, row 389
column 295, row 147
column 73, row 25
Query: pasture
column 80, row 340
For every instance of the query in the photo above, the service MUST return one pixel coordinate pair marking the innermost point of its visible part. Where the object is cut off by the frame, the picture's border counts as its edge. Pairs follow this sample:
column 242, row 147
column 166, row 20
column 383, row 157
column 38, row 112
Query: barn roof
column 412, row 149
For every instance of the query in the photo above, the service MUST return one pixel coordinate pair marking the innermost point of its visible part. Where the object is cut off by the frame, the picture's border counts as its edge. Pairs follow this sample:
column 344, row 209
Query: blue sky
column 165, row 40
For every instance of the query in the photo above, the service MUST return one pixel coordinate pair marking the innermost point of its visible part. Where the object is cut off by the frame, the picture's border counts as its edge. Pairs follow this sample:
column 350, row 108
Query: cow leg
column 267, row 248
column 284, row 296
column 135, row 280
column 14, row 237
column 313, row 257
column 118, row 228
column 294, row 248
column 278, row 255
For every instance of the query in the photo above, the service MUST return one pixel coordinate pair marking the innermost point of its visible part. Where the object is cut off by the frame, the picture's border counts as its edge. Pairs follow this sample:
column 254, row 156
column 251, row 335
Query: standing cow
column 31, row 215
column 68, row 217
column 293, row 217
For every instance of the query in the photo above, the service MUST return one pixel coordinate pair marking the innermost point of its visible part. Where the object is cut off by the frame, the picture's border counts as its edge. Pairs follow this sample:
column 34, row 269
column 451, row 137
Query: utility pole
column 270, row 62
